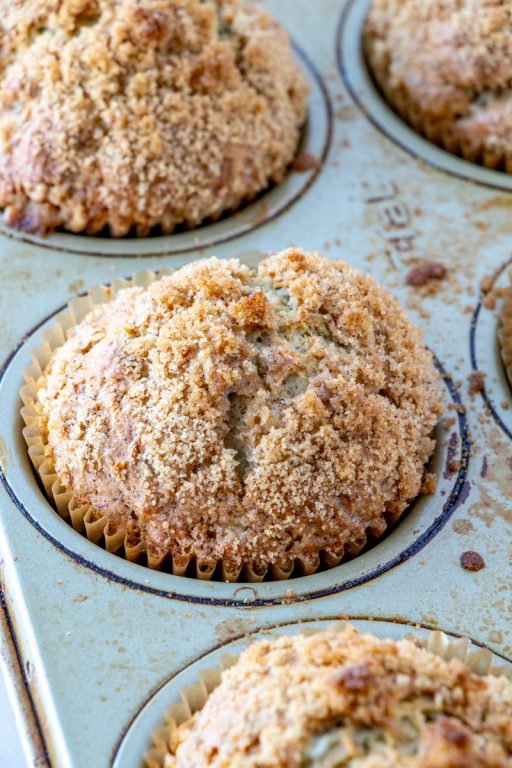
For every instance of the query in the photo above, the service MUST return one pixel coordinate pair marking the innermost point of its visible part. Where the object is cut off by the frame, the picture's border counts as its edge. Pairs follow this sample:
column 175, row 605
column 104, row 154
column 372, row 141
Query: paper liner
column 128, row 544
column 505, row 332
column 443, row 134
column 193, row 697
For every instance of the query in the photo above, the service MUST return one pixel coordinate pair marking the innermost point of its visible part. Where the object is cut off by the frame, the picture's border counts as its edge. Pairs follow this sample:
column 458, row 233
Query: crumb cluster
column 446, row 66
column 128, row 115
column 423, row 273
column 472, row 561
column 341, row 700
column 256, row 417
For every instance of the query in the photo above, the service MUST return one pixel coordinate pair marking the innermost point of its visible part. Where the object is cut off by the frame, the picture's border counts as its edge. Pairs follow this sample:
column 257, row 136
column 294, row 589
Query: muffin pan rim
column 188, row 674
column 359, row 83
column 190, row 589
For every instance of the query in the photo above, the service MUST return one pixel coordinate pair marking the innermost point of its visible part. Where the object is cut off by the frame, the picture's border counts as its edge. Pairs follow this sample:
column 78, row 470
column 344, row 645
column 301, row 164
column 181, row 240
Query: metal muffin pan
column 97, row 636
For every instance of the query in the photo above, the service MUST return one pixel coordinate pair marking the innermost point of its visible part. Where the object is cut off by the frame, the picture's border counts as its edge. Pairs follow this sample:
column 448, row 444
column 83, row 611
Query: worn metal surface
column 100, row 635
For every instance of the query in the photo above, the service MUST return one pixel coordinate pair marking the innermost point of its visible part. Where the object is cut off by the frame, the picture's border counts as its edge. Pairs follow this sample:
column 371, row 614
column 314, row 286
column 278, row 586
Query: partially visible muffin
column 263, row 417
column 126, row 116
column 505, row 331
column 341, row 699
column 446, row 67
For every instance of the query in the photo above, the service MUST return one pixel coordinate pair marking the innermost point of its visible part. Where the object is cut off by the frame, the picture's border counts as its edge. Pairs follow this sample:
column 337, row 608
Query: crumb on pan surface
column 126, row 115
column 249, row 416
column 472, row 561
column 446, row 66
column 346, row 700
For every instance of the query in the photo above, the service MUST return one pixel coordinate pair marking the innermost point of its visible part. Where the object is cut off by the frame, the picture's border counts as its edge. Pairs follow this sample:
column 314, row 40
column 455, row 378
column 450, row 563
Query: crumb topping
column 131, row 115
column 250, row 416
column 451, row 61
column 345, row 700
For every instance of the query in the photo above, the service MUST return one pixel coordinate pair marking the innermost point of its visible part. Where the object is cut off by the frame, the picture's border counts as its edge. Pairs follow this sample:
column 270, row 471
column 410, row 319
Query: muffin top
column 336, row 699
column 125, row 114
column 253, row 416
column 451, row 60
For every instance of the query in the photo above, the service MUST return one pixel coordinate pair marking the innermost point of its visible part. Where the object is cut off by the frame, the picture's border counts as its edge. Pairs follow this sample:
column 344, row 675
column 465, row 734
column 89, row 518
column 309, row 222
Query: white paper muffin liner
column 481, row 661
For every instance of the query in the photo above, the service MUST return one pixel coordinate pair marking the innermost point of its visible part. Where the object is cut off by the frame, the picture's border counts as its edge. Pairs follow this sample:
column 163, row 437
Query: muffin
column 336, row 699
column 134, row 115
column 446, row 67
column 261, row 418
column 505, row 331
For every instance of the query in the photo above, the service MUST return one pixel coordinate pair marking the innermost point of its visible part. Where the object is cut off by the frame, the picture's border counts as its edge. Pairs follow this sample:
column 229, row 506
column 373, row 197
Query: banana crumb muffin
column 446, row 67
column 129, row 115
column 341, row 699
column 254, row 417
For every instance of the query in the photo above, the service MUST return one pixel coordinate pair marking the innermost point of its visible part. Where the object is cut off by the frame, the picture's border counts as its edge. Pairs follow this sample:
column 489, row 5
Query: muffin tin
column 97, row 636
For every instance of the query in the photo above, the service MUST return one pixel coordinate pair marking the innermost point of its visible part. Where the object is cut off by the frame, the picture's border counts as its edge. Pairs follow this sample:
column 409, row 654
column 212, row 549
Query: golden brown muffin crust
column 450, row 61
column 345, row 700
column 250, row 416
column 124, row 114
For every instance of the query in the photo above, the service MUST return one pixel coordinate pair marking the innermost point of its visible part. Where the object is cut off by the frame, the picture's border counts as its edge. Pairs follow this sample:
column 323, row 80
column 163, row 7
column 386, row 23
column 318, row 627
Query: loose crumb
column 429, row 484
column 304, row 162
column 476, row 382
column 472, row 561
column 453, row 466
column 422, row 274
column 486, row 283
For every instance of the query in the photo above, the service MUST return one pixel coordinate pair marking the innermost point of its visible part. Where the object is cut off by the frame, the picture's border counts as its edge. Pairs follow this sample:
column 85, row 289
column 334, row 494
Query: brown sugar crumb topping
column 134, row 115
column 250, row 416
column 346, row 699
column 472, row 561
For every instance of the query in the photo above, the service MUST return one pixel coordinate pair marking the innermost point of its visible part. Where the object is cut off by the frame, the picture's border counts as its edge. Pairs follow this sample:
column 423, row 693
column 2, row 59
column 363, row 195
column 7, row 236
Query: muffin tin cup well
column 152, row 733
column 402, row 123
column 98, row 530
column 266, row 207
